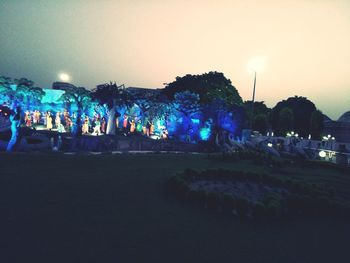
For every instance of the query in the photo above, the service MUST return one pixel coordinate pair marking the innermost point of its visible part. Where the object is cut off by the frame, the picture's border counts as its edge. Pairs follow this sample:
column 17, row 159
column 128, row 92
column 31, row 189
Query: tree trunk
column 78, row 126
column 111, row 126
column 15, row 127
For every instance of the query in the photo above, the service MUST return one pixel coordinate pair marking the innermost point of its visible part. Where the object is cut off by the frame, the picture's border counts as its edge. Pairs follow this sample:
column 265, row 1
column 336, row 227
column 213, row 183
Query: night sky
column 142, row 43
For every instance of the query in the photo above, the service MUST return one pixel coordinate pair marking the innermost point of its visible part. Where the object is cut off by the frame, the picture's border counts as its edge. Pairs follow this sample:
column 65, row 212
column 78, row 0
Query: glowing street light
column 64, row 77
column 322, row 154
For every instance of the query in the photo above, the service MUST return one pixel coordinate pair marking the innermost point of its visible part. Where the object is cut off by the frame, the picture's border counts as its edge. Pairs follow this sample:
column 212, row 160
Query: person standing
column 97, row 128
column 148, row 128
column 58, row 120
column 85, row 128
column 139, row 126
column 125, row 122
column 103, row 125
column 49, row 122
column 132, row 126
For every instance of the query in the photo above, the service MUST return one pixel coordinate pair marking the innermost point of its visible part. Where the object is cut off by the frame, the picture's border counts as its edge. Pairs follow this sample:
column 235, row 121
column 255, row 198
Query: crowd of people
column 95, row 125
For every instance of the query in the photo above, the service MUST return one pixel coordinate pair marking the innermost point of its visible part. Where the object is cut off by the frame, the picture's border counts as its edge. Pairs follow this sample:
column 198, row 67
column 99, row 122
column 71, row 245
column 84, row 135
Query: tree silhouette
column 260, row 109
column 261, row 123
column 302, row 109
column 285, row 121
column 209, row 86
column 316, row 124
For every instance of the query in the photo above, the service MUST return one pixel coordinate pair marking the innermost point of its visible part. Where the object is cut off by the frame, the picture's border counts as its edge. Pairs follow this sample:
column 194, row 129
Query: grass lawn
column 113, row 208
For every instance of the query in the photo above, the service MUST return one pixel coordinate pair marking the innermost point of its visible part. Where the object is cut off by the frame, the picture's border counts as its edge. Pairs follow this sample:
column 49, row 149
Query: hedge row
column 257, row 157
column 301, row 199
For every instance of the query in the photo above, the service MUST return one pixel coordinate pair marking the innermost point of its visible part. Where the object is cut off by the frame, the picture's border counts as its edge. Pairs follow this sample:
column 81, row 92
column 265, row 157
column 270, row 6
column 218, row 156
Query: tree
column 261, row 123
column 81, row 97
column 36, row 95
column 27, row 93
column 285, row 121
column 15, row 119
column 209, row 86
column 302, row 109
column 186, row 102
column 260, row 108
column 112, row 95
column 151, row 104
column 6, row 93
column 316, row 124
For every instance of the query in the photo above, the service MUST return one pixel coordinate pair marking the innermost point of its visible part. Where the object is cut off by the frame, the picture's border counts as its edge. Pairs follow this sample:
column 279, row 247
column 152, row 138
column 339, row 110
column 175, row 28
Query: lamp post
column 253, row 100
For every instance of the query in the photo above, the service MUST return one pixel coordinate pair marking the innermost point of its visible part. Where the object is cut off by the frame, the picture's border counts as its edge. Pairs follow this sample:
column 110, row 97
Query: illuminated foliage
column 113, row 96
column 81, row 97
column 186, row 102
column 5, row 89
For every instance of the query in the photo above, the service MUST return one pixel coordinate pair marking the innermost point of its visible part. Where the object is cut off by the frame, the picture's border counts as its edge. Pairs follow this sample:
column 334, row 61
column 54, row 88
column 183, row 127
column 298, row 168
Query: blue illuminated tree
column 187, row 102
column 15, row 119
column 113, row 96
column 81, row 97
column 6, row 93
column 27, row 93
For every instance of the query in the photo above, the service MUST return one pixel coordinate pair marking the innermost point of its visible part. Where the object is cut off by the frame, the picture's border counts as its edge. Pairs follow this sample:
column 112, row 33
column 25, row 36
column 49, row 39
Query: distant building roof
column 62, row 85
column 142, row 93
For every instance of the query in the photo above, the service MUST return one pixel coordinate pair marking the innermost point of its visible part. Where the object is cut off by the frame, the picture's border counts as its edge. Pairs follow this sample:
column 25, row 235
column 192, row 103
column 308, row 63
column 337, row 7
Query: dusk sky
column 306, row 44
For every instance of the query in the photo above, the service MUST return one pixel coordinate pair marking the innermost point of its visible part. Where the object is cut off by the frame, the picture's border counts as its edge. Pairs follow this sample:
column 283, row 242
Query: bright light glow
column 257, row 64
column 322, row 154
column 195, row 121
column 64, row 77
column 269, row 144
column 205, row 133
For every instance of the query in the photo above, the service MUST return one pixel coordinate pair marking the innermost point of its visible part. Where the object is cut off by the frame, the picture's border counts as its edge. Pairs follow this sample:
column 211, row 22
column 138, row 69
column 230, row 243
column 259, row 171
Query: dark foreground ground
column 59, row 208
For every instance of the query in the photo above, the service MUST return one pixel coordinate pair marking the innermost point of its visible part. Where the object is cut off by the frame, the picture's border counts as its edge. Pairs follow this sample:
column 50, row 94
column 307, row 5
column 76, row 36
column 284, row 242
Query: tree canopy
column 302, row 109
column 209, row 86
column 111, row 94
